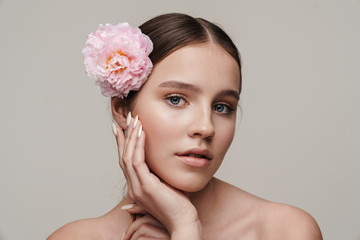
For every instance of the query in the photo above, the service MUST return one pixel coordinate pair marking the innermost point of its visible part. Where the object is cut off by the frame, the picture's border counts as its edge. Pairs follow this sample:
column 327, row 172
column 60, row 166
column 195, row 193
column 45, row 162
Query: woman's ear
column 119, row 110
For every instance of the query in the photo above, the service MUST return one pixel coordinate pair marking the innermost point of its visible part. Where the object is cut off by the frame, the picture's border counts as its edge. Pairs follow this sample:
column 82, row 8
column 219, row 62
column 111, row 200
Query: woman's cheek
column 161, row 122
column 162, row 128
column 225, row 132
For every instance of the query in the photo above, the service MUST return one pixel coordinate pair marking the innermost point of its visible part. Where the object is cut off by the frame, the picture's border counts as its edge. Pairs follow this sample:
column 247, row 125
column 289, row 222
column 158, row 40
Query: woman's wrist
column 191, row 230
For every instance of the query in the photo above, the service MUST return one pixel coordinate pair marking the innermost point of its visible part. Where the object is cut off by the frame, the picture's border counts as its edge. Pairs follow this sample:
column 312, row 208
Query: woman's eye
column 222, row 108
column 176, row 100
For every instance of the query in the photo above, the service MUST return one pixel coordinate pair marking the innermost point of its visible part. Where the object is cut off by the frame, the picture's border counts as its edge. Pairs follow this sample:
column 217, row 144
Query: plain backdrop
column 297, row 142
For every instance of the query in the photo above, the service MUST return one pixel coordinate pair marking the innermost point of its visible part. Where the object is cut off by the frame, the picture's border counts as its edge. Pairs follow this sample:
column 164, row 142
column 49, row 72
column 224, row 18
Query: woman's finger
column 129, row 123
column 120, row 140
column 146, row 226
column 142, row 170
column 128, row 158
column 148, row 231
column 134, row 209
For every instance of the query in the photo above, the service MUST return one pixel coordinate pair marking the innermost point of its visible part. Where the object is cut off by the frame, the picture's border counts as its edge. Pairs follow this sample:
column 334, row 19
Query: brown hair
column 172, row 31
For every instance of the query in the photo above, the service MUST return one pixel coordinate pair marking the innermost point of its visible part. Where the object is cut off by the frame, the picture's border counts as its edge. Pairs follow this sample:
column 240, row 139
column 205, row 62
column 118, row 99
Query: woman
column 172, row 136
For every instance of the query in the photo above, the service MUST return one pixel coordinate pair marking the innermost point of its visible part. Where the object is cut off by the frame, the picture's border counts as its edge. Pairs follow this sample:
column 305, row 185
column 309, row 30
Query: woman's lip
column 194, row 161
column 205, row 153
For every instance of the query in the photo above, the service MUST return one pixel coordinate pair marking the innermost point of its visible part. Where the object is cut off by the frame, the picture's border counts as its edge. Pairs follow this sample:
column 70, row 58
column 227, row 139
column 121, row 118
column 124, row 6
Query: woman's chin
column 191, row 189
column 188, row 185
column 184, row 181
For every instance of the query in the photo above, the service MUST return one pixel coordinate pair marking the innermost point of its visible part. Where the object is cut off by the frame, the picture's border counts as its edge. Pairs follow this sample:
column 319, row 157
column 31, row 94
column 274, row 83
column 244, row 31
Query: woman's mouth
column 195, row 157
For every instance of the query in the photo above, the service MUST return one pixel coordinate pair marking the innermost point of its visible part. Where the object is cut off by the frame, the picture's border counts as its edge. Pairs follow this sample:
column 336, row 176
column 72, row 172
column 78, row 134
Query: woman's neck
column 205, row 200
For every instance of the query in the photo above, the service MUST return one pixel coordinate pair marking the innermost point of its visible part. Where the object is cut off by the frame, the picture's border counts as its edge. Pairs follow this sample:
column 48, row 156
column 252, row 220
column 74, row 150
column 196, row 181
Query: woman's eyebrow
column 188, row 86
column 181, row 85
column 230, row 93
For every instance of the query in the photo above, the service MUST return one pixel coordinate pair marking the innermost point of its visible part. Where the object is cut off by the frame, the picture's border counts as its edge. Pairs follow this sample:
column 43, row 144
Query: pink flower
column 117, row 58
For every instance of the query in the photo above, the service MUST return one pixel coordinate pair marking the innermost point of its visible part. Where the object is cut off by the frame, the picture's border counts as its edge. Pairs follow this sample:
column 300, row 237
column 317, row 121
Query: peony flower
column 117, row 58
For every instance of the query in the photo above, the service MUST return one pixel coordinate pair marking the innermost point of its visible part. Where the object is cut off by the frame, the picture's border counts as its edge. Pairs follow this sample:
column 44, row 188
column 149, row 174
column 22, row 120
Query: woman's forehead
column 198, row 64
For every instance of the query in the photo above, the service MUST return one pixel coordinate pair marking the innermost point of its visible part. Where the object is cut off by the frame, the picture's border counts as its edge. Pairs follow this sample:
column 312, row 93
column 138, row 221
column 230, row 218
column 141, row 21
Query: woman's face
column 188, row 112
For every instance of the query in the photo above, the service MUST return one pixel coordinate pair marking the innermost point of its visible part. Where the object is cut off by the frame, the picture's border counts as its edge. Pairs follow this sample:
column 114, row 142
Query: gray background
column 297, row 143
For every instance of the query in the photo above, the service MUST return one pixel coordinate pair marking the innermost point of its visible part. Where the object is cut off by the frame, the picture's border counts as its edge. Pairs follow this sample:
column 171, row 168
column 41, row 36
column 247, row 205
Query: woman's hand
column 145, row 226
column 167, row 205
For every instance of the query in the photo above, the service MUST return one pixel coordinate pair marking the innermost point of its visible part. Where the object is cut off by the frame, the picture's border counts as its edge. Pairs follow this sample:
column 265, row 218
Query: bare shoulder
column 283, row 221
column 255, row 218
column 110, row 226
column 80, row 229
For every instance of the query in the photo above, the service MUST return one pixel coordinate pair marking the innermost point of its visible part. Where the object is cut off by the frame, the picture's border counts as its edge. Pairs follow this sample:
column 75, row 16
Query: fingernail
column 114, row 129
column 128, row 206
column 128, row 120
column 123, row 236
column 140, row 131
column 136, row 120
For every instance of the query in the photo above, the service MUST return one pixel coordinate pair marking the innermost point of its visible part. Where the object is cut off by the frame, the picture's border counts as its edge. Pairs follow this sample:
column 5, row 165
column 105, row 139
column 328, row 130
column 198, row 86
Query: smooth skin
column 189, row 101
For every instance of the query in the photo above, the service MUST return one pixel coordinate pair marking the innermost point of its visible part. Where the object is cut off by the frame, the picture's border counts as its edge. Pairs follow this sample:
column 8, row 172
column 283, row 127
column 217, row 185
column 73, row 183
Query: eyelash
column 182, row 98
column 229, row 108
column 170, row 97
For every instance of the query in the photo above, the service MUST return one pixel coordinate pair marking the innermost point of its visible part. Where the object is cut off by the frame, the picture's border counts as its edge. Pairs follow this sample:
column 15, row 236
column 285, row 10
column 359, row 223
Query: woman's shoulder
column 264, row 219
column 107, row 227
column 80, row 229
column 282, row 221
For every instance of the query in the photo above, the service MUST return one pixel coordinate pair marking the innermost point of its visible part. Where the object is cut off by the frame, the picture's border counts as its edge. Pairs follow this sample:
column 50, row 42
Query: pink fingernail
column 140, row 131
column 128, row 120
column 114, row 129
column 128, row 206
column 136, row 120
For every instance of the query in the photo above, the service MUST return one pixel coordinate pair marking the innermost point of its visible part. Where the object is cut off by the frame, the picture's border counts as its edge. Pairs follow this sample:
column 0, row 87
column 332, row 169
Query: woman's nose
column 202, row 125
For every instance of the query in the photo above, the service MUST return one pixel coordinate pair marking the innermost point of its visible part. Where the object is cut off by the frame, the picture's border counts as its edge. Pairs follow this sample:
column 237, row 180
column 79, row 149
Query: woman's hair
column 172, row 31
